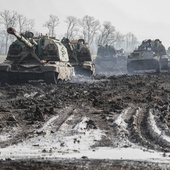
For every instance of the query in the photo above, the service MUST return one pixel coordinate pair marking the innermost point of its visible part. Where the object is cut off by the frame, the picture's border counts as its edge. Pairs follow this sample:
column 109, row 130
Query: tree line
column 90, row 29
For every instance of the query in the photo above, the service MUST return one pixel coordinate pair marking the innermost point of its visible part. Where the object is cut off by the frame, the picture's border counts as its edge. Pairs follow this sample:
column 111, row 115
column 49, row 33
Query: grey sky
column 145, row 18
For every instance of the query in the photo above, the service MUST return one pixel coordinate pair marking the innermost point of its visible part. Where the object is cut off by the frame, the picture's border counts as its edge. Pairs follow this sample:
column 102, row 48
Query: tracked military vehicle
column 29, row 58
column 79, row 57
column 109, row 59
column 150, row 55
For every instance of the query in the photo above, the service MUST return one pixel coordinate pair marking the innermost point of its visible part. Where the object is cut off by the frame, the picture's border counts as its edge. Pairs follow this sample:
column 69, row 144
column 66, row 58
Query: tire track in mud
column 156, row 133
column 56, row 121
column 63, row 123
column 143, row 128
column 69, row 131
column 19, row 134
column 129, row 111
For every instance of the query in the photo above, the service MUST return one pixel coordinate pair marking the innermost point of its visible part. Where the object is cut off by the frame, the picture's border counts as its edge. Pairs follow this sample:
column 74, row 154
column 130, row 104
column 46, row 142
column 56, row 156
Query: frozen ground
column 119, row 122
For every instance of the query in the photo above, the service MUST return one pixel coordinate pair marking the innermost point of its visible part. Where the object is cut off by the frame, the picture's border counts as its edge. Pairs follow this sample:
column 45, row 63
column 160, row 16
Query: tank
column 80, row 57
column 121, row 56
column 150, row 56
column 109, row 59
column 35, row 58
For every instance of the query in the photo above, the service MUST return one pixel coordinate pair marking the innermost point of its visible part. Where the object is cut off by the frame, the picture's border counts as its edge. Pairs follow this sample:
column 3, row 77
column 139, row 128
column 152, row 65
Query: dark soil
column 146, row 97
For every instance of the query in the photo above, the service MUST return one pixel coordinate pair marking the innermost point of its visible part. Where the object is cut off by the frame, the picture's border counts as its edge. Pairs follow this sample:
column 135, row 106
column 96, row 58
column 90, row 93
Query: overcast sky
column 145, row 18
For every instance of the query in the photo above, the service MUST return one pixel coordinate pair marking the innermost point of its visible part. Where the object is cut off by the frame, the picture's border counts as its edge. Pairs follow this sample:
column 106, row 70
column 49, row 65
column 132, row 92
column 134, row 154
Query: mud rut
column 129, row 110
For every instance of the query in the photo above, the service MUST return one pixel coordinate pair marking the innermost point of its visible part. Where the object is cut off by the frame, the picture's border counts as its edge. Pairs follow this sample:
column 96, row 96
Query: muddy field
column 116, row 122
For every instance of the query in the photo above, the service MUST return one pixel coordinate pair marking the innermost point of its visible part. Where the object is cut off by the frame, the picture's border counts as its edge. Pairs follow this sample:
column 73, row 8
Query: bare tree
column 30, row 24
column 72, row 23
column 24, row 24
column 51, row 24
column 135, row 42
column 2, row 45
column 107, row 34
column 90, row 26
column 119, row 40
column 7, row 19
column 131, row 41
column 21, row 22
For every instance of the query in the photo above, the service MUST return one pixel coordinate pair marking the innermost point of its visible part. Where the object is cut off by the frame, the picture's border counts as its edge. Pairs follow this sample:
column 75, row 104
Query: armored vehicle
column 150, row 55
column 106, row 57
column 80, row 57
column 109, row 59
column 29, row 58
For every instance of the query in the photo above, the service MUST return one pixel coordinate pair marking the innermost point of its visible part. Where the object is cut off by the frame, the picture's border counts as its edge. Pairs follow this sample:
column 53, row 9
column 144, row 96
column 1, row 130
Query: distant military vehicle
column 80, row 57
column 121, row 56
column 150, row 55
column 30, row 58
column 109, row 59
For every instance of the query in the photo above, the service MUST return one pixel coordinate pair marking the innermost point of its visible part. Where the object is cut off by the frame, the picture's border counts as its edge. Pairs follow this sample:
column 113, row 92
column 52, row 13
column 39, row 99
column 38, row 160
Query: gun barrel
column 12, row 31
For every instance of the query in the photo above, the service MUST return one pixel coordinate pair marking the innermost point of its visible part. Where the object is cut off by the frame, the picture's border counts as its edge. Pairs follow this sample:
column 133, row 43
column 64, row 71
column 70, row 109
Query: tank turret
column 21, row 38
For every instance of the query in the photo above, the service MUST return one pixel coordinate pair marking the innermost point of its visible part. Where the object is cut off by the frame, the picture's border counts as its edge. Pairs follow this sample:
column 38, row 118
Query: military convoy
column 150, row 55
column 46, row 58
column 43, row 58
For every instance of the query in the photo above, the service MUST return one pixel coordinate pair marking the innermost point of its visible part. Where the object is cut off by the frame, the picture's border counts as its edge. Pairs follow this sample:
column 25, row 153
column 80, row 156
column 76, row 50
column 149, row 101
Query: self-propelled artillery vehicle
column 150, row 55
column 80, row 57
column 35, row 58
column 109, row 59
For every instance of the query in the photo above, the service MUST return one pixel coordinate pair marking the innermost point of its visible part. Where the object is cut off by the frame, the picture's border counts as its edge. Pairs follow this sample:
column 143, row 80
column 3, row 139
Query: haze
column 144, row 18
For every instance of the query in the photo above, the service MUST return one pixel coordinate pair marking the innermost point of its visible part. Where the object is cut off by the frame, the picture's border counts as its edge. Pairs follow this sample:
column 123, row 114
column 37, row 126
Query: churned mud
column 116, row 122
